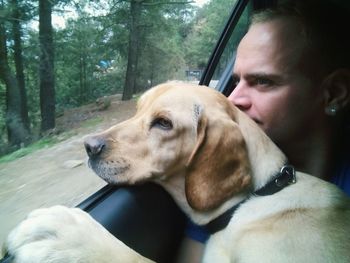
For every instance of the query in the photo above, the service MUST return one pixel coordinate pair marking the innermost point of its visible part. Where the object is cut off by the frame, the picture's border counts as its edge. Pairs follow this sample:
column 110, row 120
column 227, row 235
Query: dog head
column 178, row 129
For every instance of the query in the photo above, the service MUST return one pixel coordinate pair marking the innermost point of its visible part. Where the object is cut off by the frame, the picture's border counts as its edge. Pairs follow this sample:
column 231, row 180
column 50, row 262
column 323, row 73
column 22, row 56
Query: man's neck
column 313, row 155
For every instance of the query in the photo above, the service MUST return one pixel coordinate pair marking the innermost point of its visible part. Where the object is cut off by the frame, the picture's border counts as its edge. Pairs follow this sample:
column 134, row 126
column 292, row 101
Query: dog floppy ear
column 219, row 166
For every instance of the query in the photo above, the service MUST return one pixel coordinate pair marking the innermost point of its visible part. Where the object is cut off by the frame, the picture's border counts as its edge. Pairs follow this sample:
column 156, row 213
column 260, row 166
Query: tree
column 205, row 32
column 17, row 128
column 161, row 53
column 18, row 58
column 146, row 18
column 81, row 47
column 142, row 41
column 131, row 70
column 46, row 70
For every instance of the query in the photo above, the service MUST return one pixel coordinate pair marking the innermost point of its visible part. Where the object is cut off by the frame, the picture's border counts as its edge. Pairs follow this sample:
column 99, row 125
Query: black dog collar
column 284, row 177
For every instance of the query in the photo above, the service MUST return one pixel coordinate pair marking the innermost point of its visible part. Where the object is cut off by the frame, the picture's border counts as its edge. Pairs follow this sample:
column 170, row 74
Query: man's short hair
column 324, row 25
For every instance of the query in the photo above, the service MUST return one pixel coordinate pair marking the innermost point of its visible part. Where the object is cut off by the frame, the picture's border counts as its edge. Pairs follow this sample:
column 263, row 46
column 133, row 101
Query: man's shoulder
column 341, row 177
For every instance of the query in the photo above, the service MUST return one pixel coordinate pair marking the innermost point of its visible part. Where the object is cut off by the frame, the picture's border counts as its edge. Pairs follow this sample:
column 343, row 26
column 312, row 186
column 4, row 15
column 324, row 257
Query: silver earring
column 331, row 110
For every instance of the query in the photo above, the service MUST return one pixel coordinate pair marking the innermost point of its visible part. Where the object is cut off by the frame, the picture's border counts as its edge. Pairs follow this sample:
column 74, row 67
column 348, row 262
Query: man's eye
column 162, row 123
column 263, row 82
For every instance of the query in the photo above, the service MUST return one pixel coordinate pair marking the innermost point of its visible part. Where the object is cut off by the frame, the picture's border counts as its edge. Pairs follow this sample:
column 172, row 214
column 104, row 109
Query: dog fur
column 209, row 156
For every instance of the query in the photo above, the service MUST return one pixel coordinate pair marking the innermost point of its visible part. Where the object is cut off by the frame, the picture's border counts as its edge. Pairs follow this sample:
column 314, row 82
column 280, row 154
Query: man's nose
column 240, row 97
column 94, row 146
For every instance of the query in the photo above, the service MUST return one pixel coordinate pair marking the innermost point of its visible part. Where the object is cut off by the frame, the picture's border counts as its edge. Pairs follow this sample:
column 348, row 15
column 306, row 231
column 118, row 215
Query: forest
column 99, row 48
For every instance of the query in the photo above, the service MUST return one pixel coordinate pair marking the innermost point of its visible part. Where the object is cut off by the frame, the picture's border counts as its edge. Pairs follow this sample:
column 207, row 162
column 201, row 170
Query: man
column 298, row 95
column 292, row 77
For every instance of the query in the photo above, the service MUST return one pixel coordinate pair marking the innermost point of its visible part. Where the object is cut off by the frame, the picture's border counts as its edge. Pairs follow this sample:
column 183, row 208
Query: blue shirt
column 341, row 178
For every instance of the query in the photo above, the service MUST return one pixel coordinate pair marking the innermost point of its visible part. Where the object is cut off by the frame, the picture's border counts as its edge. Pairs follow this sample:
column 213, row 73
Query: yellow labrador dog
column 220, row 168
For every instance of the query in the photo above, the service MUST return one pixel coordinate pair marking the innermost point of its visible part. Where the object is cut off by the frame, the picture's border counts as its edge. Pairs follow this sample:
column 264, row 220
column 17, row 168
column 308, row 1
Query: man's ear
column 336, row 89
column 219, row 166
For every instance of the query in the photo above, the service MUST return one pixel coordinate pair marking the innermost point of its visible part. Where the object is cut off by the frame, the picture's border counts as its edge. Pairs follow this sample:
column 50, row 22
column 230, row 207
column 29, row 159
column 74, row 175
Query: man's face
column 271, row 87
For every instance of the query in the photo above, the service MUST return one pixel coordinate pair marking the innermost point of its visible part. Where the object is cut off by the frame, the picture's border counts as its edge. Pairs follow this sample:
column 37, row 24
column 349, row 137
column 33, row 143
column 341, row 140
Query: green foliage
column 205, row 31
column 161, row 55
column 92, row 122
column 43, row 143
column 2, row 114
column 173, row 38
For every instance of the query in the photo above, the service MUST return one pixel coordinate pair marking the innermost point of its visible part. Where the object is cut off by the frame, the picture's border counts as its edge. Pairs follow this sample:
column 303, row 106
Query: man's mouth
column 258, row 122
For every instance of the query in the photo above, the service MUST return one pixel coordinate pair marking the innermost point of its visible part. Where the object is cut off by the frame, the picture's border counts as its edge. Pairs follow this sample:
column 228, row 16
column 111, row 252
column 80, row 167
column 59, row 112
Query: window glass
column 227, row 58
column 80, row 78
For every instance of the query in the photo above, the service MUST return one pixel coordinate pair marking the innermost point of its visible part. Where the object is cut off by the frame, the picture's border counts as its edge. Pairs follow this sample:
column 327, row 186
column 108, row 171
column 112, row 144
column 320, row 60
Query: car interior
column 145, row 217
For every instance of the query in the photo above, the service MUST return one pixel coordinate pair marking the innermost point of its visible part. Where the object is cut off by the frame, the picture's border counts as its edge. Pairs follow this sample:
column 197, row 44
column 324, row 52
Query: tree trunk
column 16, row 128
column 47, row 83
column 17, row 38
column 83, row 88
column 81, row 79
column 131, row 70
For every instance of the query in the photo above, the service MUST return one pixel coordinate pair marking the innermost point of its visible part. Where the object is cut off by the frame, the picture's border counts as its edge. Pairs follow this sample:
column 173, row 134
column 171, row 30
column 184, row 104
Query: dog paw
column 60, row 234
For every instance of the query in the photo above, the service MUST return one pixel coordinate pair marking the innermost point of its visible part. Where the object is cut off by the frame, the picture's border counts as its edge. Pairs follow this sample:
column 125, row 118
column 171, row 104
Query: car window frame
column 225, row 84
column 222, row 42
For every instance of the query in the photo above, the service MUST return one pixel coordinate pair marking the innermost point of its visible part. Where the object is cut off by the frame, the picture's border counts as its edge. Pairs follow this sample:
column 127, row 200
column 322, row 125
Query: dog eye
column 162, row 123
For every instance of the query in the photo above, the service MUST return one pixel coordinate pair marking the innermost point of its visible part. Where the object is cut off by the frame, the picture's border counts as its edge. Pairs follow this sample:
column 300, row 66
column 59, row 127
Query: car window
column 223, row 70
column 98, row 59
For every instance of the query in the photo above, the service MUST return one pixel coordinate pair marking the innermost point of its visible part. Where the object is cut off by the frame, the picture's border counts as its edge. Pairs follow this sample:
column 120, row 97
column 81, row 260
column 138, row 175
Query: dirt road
column 55, row 175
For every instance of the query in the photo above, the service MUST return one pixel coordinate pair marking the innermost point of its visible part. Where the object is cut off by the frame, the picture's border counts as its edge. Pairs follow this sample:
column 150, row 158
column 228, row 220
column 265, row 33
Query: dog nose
column 94, row 146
